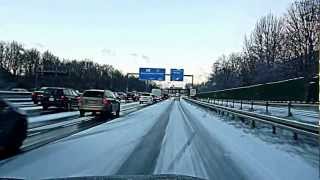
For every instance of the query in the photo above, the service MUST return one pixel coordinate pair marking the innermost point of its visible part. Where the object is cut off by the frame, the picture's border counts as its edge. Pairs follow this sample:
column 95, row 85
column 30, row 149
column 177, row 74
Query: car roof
column 54, row 88
column 99, row 90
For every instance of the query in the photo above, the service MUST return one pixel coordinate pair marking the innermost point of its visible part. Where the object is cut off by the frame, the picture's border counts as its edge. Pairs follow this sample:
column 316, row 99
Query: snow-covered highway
column 171, row 137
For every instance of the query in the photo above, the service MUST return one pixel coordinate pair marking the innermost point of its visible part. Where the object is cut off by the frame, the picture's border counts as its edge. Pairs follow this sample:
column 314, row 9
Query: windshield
column 52, row 91
column 139, row 89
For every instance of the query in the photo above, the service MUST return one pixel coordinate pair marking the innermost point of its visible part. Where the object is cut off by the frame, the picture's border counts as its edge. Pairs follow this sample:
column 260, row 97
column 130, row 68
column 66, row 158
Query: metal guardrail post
column 214, row 101
column 295, row 136
column 233, row 103
column 241, row 104
column 253, row 124
column 289, row 108
column 251, row 108
column 267, row 107
column 273, row 130
column 227, row 103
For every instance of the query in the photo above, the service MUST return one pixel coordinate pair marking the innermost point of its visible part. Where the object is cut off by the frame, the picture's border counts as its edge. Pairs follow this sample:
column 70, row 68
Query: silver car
column 146, row 98
column 102, row 101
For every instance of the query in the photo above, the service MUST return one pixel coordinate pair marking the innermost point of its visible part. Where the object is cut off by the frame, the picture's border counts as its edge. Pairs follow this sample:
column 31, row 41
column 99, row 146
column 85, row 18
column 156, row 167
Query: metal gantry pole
column 192, row 81
column 127, row 82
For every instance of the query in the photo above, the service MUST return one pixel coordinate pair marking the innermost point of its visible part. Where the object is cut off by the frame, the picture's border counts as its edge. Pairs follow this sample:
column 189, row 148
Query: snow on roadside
column 52, row 117
column 55, row 116
column 307, row 116
column 261, row 159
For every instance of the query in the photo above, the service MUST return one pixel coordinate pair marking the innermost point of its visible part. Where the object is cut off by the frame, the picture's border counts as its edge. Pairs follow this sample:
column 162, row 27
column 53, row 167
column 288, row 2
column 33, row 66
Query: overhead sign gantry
column 159, row 74
column 176, row 74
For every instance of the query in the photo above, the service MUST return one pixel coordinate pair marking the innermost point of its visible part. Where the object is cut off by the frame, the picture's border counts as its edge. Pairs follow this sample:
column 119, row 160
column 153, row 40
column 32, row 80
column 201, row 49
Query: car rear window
column 109, row 94
column 55, row 92
column 93, row 94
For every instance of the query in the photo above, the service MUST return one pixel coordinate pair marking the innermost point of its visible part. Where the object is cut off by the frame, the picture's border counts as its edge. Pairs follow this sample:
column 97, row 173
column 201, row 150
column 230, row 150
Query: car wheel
column 118, row 112
column 19, row 133
column 140, row 102
column 35, row 102
column 69, row 107
column 44, row 107
column 105, row 116
column 82, row 113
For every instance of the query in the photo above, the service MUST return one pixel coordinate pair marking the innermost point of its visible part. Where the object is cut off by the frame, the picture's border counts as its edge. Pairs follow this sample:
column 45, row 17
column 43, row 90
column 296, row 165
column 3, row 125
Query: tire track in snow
column 211, row 154
column 144, row 157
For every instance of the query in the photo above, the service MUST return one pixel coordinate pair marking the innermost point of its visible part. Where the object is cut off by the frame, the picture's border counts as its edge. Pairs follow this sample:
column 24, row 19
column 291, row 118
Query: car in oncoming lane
column 146, row 98
column 19, row 90
column 102, row 101
column 64, row 98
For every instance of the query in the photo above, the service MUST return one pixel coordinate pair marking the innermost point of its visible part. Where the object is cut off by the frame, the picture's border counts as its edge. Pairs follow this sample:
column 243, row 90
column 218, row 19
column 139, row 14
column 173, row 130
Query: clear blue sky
column 133, row 33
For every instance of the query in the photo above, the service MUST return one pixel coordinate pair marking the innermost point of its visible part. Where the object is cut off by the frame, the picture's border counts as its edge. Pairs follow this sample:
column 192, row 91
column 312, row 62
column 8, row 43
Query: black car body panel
column 13, row 126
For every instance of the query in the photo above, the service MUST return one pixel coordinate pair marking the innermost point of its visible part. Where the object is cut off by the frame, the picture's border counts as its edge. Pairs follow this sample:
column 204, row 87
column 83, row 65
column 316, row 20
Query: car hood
column 125, row 177
column 133, row 177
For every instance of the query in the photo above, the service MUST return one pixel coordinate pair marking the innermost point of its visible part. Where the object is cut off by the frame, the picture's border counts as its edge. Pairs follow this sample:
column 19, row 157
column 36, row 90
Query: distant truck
column 193, row 92
column 157, row 93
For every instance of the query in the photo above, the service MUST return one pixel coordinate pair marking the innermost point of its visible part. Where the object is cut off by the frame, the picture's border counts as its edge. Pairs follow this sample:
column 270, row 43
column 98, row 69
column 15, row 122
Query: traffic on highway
column 164, row 90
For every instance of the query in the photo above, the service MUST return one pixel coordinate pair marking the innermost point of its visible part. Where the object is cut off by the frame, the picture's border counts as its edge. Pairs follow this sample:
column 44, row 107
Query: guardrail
column 13, row 94
column 294, row 126
column 288, row 104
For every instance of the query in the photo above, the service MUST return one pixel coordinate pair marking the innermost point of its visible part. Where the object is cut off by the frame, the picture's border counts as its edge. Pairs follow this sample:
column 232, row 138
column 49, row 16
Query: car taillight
column 79, row 100
column 63, row 98
column 105, row 101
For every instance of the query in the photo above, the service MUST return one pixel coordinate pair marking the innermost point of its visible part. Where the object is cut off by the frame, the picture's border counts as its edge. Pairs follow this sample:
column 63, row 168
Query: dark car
column 130, row 96
column 102, row 101
column 13, row 127
column 37, row 95
column 165, row 96
column 64, row 98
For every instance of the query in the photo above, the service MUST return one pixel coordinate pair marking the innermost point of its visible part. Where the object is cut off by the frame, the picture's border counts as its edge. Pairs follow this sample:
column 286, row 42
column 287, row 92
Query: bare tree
column 302, row 34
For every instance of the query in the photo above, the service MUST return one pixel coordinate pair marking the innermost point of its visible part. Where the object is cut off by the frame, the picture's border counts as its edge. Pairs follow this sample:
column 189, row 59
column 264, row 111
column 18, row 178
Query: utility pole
column 127, row 81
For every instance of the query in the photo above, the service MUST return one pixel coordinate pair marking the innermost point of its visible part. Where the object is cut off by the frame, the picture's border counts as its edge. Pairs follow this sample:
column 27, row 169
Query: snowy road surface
column 171, row 137
column 34, row 121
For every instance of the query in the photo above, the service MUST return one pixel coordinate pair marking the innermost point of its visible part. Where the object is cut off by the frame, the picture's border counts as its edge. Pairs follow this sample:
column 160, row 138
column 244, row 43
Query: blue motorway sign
column 157, row 74
column 176, row 74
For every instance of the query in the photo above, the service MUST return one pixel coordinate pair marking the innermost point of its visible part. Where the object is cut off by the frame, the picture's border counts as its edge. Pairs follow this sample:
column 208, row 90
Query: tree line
column 29, row 68
column 278, row 48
